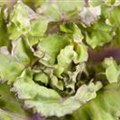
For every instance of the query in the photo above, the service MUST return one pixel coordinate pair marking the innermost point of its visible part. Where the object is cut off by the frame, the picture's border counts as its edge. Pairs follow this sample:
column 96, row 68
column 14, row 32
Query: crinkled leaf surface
column 99, row 34
column 20, row 21
column 47, row 101
column 56, row 11
column 104, row 106
column 65, row 58
column 22, row 18
column 52, row 45
column 43, row 56
column 22, row 51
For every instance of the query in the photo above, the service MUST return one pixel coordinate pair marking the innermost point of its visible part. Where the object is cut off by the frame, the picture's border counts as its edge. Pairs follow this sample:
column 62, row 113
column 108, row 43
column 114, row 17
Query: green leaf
column 44, row 56
column 65, row 58
column 112, row 2
column 56, row 11
column 117, row 37
column 70, row 12
column 112, row 70
column 13, row 31
column 114, row 16
column 66, row 7
column 43, row 100
column 20, row 22
column 104, row 106
column 4, row 115
column 99, row 34
column 93, row 3
column 50, row 11
column 22, row 18
column 52, row 45
column 73, row 79
column 35, row 3
column 41, row 77
column 10, row 68
column 4, row 40
column 53, row 80
column 59, row 71
column 82, row 54
column 39, row 26
column 23, row 52
column 67, row 28
column 77, row 35
column 33, row 40
column 10, row 107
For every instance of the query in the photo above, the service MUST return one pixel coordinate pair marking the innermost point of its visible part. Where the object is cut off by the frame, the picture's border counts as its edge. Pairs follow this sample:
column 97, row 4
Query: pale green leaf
column 52, row 45
column 104, row 106
column 99, row 34
column 38, row 26
column 22, row 51
column 112, row 70
column 22, row 18
column 65, row 58
column 46, row 100
column 41, row 77
column 10, row 68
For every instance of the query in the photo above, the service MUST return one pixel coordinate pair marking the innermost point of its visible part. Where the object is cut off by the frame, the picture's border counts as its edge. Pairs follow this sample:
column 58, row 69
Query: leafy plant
column 55, row 61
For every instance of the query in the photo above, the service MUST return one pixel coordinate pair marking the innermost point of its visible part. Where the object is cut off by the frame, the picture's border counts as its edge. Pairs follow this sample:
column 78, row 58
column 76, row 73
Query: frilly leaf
column 95, row 36
column 47, row 101
column 41, row 77
column 20, row 22
column 22, row 51
column 104, row 106
column 22, row 18
column 56, row 11
column 65, row 58
column 52, row 45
